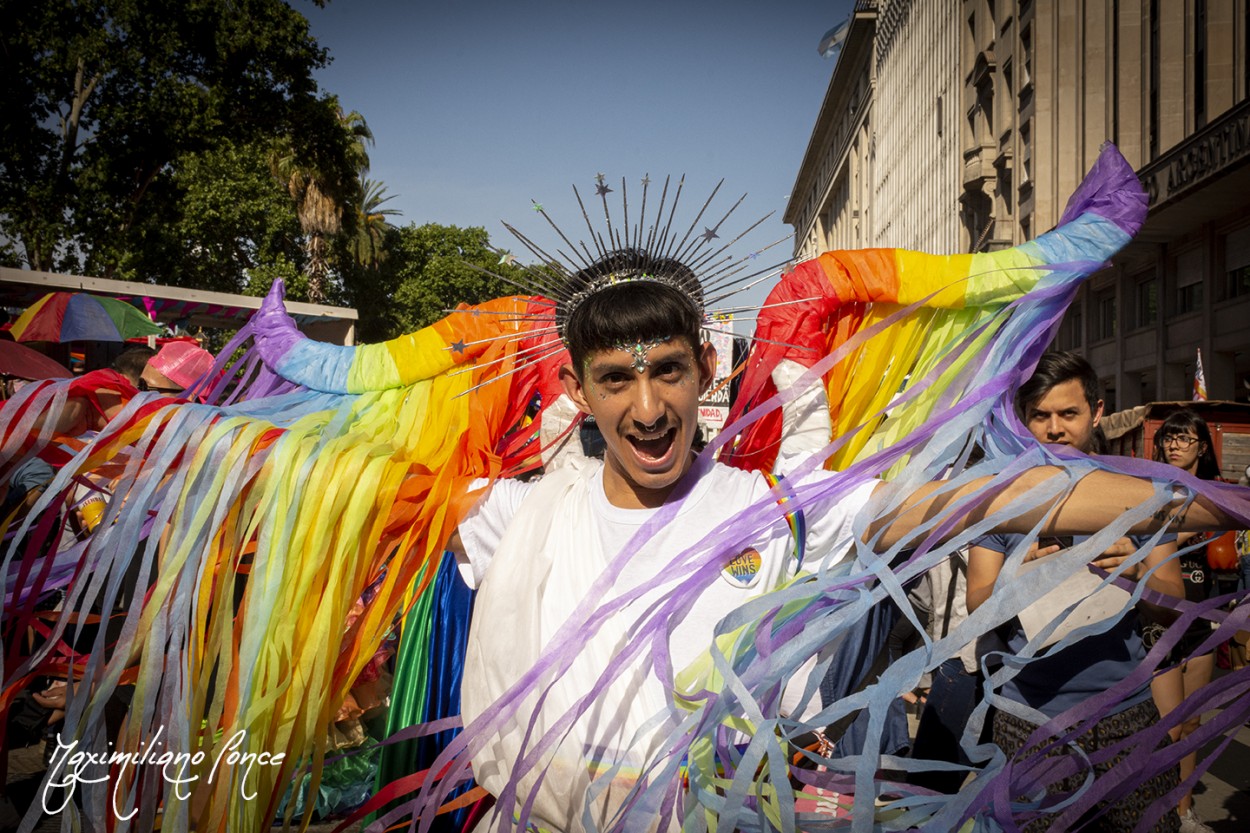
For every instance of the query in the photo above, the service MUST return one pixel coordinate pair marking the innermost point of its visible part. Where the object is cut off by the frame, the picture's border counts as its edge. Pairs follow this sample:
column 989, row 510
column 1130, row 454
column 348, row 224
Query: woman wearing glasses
column 1184, row 441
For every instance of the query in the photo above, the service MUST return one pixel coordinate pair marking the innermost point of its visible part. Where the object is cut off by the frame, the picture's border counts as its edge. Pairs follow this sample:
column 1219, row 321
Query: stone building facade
column 983, row 115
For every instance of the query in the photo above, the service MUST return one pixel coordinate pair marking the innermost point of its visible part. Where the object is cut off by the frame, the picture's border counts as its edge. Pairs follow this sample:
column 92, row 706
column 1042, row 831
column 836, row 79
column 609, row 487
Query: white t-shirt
column 719, row 496
column 543, row 557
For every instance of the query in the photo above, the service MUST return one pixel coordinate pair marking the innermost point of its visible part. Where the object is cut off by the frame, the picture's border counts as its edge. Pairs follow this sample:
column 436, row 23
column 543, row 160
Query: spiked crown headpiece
column 645, row 246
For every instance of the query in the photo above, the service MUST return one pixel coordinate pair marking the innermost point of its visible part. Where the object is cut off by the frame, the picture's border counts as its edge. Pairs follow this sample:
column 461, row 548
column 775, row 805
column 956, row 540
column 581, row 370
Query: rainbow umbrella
column 77, row 316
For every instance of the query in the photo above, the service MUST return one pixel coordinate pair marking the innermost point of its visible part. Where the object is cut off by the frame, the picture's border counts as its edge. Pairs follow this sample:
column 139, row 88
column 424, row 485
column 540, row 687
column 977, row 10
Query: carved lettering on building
column 1200, row 160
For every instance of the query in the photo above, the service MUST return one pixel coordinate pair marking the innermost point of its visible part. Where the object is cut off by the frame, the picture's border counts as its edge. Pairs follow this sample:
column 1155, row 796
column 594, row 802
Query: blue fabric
column 33, row 474
column 1056, row 681
column 852, row 669
column 428, row 670
column 452, row 609
column 86, row 320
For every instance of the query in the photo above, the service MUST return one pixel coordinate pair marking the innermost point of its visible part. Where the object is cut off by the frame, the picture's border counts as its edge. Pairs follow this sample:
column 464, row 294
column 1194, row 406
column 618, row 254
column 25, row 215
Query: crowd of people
column 659, row 640
column 1061, row 404
column 36, row 713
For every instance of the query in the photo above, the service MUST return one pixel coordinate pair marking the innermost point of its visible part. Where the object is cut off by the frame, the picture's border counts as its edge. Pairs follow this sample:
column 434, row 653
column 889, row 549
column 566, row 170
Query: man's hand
column 52, row 697
column 1036, row 550
column 1116, row 555
column 1112, row 557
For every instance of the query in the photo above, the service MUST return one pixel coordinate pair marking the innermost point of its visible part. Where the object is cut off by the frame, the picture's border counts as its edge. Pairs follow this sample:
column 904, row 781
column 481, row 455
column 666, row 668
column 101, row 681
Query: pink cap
column 182, row 362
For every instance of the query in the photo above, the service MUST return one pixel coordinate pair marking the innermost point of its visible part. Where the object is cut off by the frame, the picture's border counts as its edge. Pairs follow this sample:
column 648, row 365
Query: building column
column 1220, row 370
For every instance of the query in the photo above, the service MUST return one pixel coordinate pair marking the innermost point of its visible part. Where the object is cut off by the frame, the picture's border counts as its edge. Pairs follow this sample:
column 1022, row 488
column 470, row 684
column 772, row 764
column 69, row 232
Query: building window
column 984, row 125
column 1109, row 396
column 1005, row 192
column 1104, row 307
column 1238, row 283
column 1146, row 302
column 1026, row 161
column 1200, row 64
column 1188, row 291
column 1115, row 71
column 978, row 216
column 1071, row 333
column 1153, row 113
column 1237, row 262
column 1026, row 52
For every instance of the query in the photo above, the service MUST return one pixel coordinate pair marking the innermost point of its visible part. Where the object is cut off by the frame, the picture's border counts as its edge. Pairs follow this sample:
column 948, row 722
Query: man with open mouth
column 569, row 567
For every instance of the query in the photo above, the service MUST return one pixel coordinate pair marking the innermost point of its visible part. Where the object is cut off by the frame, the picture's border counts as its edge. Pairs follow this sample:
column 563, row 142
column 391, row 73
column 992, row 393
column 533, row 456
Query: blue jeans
column 950, row 703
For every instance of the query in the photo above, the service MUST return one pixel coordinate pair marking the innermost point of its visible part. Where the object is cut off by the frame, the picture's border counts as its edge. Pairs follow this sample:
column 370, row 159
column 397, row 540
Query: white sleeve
column 806, row 430
column 831, row 525
column 805, row 426
column 483, row 528
column 560, row 445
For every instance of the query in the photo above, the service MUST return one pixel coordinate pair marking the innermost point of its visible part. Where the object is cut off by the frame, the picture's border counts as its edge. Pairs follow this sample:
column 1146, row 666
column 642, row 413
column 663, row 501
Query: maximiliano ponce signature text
column 71, row 766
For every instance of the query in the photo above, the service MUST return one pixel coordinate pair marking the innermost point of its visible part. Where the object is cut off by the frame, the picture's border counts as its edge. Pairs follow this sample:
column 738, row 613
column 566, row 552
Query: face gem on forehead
column 639, row 350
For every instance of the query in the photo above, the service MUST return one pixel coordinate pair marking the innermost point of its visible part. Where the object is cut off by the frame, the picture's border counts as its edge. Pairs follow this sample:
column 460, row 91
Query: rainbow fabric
column 273, row 511
column 244, row 530
column 79, row 316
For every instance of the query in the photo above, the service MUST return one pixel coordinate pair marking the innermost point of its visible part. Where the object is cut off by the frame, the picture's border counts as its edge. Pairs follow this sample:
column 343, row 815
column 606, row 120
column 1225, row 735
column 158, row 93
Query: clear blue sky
column 478, row 107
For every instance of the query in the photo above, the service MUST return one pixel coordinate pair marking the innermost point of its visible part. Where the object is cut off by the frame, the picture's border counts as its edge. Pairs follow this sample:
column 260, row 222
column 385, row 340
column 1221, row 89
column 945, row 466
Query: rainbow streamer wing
column 248, row 529
column 947, row 296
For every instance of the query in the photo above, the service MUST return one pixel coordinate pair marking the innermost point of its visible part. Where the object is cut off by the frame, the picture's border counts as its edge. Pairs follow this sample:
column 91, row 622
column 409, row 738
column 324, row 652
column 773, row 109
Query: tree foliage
column 188, row 144
column 367, row 246
column 226, row 220
column 321, row 166
column 428, row 270
column 137, row 137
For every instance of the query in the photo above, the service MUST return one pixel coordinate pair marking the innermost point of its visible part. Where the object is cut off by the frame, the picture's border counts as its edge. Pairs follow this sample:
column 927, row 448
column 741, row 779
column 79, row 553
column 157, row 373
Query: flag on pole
column 831, row 44
column 1200, row 381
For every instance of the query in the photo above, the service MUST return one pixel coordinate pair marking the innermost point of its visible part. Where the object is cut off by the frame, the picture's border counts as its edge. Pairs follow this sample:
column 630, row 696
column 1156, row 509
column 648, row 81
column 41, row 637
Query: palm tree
column 322, row 180
column 367, row 245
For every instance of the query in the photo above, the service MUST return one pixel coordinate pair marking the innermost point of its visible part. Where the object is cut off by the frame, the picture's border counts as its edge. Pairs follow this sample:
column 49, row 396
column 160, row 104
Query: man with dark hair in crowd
column 1061, row 405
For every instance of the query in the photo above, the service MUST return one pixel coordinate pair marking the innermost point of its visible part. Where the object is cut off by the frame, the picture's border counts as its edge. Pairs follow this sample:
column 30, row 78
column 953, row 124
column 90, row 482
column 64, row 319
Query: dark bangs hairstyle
column 1055, row 368
column 634, row 310
column 1186, row 421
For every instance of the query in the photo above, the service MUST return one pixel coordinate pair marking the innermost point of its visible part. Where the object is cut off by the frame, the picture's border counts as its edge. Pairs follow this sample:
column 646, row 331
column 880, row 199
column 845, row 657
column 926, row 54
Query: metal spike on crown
column 624, row 251
column 648, row 248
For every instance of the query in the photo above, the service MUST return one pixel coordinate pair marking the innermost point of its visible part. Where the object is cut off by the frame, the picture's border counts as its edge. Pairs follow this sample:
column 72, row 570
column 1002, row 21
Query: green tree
column 428, row 270
column 321, row 169
column 367, row 247
column 226, row 225
column 130, row 126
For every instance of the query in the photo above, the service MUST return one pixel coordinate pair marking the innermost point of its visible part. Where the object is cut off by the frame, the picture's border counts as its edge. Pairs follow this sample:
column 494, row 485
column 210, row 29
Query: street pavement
column 1224, row 800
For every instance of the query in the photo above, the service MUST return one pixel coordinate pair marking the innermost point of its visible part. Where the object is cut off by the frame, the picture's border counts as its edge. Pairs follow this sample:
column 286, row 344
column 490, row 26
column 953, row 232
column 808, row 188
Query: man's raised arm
column 1094, row 501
